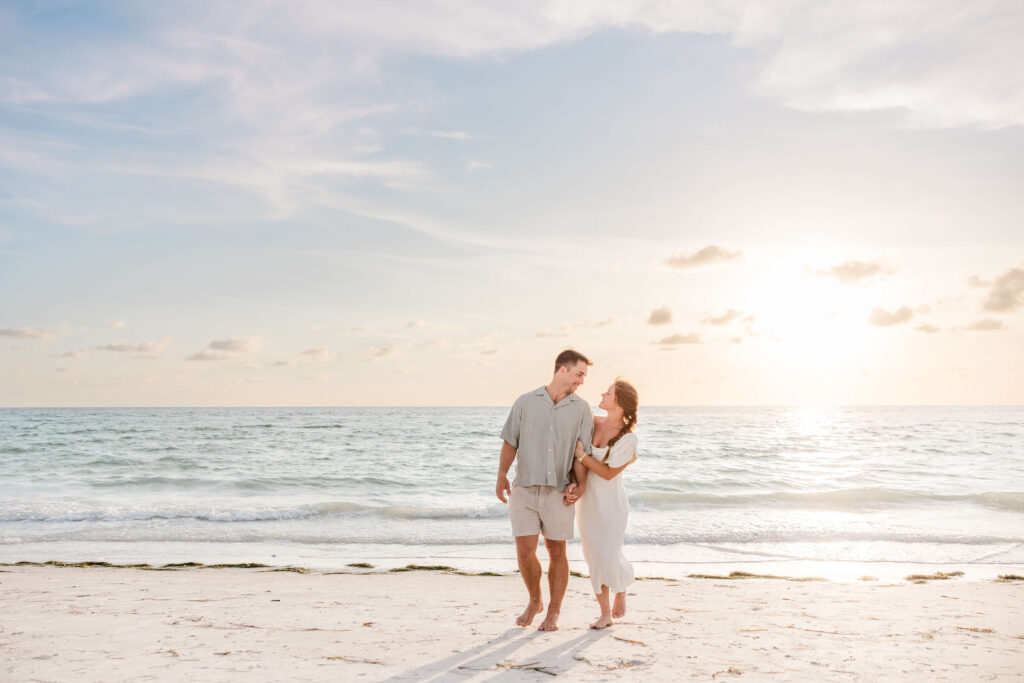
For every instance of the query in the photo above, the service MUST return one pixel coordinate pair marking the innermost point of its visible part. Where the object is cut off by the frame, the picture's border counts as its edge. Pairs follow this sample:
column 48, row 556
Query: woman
column 602, row 512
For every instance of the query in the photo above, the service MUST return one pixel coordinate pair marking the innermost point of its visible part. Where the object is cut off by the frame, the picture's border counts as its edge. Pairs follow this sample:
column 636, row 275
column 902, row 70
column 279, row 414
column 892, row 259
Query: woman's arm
column 596, row 466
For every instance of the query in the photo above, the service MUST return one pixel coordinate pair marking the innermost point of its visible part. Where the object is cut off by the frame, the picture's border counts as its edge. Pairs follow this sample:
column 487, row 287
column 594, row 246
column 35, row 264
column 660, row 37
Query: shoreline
column 276, row 623
column 919, row 571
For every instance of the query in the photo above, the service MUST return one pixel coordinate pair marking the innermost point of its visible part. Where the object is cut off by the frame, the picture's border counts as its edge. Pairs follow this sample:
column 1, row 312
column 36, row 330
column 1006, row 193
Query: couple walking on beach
column 568, row 459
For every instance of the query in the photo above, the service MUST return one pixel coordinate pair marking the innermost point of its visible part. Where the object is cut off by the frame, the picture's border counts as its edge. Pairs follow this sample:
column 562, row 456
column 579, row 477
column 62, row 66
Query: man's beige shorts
column 540, row 510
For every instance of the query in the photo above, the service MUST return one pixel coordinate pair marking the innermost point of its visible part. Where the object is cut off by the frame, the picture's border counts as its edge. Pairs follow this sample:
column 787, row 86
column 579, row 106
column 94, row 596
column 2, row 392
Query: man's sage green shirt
column 545, row 434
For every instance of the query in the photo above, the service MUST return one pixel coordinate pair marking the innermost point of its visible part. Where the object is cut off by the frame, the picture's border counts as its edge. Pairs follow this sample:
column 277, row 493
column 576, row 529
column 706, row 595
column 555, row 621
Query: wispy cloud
column 723, row 319
column 477, row 165
column 1006, row 293
column 565, row 329
column 680, row 339
column 318, row 354
column 883, row 318
column 926, row 328
column 237, row 344
column 852, row 272
column 445, row 134
column 29, row 333
column 146, row 349
column 660, row 316
column 74, row 353
column 708, row 256
column 210, row 355
column 117, row 325
column 376, row 353
column 226, row 349
column 984, row 325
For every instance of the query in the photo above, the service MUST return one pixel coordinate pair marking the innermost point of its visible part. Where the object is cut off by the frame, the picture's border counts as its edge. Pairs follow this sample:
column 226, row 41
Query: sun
column 814, row 329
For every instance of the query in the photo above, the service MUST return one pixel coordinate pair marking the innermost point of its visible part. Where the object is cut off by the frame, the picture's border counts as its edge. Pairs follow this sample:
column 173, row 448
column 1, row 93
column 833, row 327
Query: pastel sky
column 421, row 203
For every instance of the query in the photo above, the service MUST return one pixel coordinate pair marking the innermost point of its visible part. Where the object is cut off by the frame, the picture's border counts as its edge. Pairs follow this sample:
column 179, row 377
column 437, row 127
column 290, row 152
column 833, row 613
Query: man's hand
column 502, row 489
column 573, row 492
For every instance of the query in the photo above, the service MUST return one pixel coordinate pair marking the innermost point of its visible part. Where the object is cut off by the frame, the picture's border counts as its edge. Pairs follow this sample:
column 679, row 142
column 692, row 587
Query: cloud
column 852, row 272
column 565, row 329
column 926, row 328
column 317, row 377
column 708, row 256
column 975, row 281
column 594, row 323
column 208, row 355
column 477, row 165
column 416, row 324
column 151, row 348
column 984, row 325
column 1007, row 292
column 445, row 134
column 74, row 353
column 319, row 354
column 678, row 339
column 29, row 333
column 237, row 345
column 883, row 318
column 660, row 316
column 489, row 352
column 560, row 333
column 117, row 325
column 285, row 363
column 724, row 319
column 375, row 353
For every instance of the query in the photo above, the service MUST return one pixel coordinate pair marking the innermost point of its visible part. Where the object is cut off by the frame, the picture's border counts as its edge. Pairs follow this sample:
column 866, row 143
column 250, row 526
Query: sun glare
column 816, row 329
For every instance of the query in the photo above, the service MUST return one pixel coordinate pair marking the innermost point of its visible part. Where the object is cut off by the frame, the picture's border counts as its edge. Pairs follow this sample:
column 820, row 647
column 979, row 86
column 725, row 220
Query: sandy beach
column 101, row 623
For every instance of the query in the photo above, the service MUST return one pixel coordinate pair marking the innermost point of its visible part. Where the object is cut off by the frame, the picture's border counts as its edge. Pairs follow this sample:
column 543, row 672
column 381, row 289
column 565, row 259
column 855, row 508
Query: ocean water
column 323, row 487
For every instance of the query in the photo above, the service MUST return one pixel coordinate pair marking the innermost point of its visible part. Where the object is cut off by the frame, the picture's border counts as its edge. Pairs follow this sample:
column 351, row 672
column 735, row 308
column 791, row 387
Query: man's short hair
column 570, row 358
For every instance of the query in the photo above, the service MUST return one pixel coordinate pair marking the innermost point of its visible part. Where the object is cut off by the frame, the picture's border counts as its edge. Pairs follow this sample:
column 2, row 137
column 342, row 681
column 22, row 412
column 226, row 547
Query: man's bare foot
column 533, row 609
column 550, row 622
column 619, row 608
column 603, row 621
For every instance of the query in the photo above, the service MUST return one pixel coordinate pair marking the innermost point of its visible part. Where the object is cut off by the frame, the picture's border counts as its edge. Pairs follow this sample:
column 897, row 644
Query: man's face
column 574, row 376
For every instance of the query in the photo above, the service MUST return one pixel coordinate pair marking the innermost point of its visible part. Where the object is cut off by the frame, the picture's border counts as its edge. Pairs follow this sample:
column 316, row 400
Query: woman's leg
column 619, row 610
column 603, row 599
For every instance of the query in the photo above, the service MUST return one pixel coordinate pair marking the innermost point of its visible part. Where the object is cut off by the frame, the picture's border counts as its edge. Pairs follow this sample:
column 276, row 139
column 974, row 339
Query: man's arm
column 509, row 448
column 508, row 454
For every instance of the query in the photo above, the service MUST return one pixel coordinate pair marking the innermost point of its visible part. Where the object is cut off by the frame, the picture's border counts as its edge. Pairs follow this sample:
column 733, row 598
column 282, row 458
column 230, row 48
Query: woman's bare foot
column 533, row 609
column 550, row 622
column 619, row 609
column 603, row 621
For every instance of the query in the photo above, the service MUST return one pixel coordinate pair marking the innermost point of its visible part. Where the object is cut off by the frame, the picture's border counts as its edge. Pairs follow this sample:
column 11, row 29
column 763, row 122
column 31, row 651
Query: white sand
column 235, row 624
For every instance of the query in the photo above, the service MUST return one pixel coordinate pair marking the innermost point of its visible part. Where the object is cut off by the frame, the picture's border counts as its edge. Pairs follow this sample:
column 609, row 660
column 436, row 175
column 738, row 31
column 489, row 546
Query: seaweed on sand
column 937, row 576
column 423, row 568
column 748, row 575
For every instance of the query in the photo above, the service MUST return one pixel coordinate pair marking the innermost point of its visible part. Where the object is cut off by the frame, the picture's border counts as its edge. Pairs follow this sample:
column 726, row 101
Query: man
column 541, row 430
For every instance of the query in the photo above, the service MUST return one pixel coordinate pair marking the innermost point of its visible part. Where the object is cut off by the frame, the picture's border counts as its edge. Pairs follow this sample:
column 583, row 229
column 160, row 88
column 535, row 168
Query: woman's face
column 608, row 399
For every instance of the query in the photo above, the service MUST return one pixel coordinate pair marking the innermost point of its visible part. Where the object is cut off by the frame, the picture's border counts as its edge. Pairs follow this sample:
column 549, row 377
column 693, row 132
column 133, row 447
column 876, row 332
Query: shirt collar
column 543, row 391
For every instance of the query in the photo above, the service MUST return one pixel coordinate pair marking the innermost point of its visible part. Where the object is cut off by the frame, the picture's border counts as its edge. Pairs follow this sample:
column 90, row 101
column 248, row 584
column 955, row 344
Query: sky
column 348, row 203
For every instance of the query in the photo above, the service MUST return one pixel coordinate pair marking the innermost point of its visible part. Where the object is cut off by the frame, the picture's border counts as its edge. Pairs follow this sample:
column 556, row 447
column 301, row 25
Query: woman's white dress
column 601, row 516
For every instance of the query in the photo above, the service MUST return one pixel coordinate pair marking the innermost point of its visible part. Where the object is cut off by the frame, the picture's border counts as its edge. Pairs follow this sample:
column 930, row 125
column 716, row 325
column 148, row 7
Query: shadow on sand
column 556, row 660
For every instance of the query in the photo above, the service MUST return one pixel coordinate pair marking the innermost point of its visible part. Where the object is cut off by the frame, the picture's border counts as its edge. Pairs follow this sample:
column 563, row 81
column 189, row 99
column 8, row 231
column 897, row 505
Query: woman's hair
column 628, row 399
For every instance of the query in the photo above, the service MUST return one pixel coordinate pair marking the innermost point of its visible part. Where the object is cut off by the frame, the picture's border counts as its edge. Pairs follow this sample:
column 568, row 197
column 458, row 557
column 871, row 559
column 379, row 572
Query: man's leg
column 529, row 569
column 558, row 579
